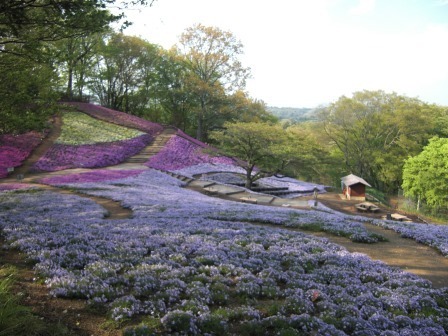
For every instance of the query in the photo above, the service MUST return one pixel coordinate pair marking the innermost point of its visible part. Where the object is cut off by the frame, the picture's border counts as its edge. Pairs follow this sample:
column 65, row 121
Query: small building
column 354, row 187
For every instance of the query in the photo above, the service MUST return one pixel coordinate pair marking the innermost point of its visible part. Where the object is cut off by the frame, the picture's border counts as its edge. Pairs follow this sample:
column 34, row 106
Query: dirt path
column 406, row 254
column 45, row 145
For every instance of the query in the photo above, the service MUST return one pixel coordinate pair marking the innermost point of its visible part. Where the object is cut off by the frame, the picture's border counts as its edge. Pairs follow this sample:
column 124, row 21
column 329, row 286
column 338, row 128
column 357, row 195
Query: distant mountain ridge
column 294, row 113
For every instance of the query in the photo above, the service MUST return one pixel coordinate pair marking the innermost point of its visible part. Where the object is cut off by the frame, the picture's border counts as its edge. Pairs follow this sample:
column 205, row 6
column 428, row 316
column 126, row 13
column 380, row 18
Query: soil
column 396, row 252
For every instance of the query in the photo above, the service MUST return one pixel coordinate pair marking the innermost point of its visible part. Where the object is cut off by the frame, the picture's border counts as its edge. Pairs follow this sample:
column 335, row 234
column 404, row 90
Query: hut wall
column 358, row 190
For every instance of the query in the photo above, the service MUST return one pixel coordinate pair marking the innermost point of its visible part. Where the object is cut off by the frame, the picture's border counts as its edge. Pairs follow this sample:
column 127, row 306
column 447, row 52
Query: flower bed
column 14, row 149
column 80, row 129
column 60, row 157
column 119, row 118
column 99, row 175
column 14, row 186
column 180, row 152
column 190, row 272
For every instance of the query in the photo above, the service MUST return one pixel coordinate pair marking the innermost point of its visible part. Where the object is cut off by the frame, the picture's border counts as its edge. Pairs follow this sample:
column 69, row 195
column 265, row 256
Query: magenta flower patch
column 14, row 149
column 180, row 152
column 14, row 186
column 60, row 157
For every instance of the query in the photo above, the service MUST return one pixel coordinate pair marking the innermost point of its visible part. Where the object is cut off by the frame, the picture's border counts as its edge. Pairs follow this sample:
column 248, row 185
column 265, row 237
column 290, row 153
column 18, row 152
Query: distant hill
column 293, row 113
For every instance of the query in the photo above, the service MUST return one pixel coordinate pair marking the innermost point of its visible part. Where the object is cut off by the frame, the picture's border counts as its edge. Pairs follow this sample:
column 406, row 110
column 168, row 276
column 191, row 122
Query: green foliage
column 425, row 176
column 376, row 131
column 14, row 318
column 267, row 147
column 211, row 58
column 31, row 22
column 122, row 75
column 80, row 129
column 377, row 195
column 25, row 94
column 294, row 114
column 256, row 144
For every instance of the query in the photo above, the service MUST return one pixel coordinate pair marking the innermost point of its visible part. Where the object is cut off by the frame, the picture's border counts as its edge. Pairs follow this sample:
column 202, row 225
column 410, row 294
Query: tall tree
column 120, row 70
column 211, row 55
column 425, row 176
column 29, row 22
column 263, row 149
column 26, row 93
column 241, row 107
column 75, row 57
column 171, row 90
column 376, row 131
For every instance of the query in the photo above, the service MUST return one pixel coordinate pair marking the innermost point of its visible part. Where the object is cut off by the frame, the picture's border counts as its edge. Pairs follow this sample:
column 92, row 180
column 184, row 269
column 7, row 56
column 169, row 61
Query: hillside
column 195, row 263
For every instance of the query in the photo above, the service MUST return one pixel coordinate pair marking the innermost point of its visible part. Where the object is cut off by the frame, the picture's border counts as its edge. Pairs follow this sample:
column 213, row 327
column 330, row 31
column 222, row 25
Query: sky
column 308, row 53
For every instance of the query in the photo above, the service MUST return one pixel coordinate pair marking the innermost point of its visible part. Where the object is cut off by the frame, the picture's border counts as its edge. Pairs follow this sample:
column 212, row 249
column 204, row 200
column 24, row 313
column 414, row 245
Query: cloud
column 363, row 7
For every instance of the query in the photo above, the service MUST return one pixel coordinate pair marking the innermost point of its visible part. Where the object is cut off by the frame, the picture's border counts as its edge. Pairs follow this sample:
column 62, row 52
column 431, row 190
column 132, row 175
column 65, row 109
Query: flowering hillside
column 80, row 129
column 188, row 264
column 14, row 149
column 195, row 265
column 182, row 151
column 119, row 118
column 90, row 143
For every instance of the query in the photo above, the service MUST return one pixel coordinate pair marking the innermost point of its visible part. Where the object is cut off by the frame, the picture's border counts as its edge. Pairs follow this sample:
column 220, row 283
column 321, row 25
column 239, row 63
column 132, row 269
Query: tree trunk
column 249, row 180
column 69, row 92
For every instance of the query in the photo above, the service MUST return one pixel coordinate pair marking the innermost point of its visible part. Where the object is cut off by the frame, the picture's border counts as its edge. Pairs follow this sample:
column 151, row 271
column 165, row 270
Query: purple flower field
column 197, row 265
column 14, row 149
column 99, row 175
column 60, row 157
column 180, row 152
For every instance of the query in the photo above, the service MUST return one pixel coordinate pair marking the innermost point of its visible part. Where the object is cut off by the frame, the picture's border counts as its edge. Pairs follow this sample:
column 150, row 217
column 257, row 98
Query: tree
column 28, row 30
column 30, row 22
column 425, row 176
column 240, row 107
column 211, row 56
column 262, row 149
column 171, row 92
column 376, row 131
column 121, row 69
column 26, row 91
column 75, row 57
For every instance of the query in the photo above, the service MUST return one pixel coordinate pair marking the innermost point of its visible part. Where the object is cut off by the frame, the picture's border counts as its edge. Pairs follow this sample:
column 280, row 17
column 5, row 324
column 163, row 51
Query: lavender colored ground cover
column 119, row 118
column 179, row 153
column 93, row 176
column 14, row 149
column 60, row 157
column 188, row 262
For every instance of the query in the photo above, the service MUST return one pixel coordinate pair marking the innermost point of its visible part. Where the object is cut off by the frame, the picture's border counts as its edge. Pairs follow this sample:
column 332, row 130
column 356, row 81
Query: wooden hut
column 354, row 187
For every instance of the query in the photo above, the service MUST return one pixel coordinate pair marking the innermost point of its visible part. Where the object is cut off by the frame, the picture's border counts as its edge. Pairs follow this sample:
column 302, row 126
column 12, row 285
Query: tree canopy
column 211, row 56
column 376, row 131
column 425, row 176
column 263, row 149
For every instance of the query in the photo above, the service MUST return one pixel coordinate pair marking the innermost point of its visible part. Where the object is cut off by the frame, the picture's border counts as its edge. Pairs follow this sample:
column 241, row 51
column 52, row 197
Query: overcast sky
column 305, row 53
